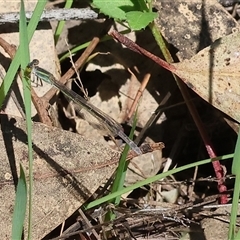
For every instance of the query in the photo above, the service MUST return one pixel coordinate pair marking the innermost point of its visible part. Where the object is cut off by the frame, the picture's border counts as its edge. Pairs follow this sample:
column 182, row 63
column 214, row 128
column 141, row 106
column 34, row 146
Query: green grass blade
column 235, row 171
column 118, row 181
column 236, row 158
column 234, row 209
column 25, row 59
column 85, row 45
column 237, row 236
column 19, row 206
column 61, row 24
column 120, row 175
column 153, row 179
column 122, row 167
column 7, row 82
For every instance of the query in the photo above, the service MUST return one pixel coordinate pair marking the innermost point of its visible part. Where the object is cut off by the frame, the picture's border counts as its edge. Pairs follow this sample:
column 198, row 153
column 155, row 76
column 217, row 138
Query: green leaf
column 117, row 9
column 19, row 206
column 112, row 8
column 138, row 20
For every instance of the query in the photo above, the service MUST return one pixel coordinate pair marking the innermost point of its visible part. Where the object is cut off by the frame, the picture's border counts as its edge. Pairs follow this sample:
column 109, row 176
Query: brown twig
column 155, row 115
column 8, row 48
column 81, row 60
column 138, row 95
column 84, row 217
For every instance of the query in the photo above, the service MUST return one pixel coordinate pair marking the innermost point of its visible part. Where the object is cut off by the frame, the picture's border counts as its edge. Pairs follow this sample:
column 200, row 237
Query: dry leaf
column 203, row 21
column 144, row 166
column 215, row 227
column 67, row 170
column 213, row 73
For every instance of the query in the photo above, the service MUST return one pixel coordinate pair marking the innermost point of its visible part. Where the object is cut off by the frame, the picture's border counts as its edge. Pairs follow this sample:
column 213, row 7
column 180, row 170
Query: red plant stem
column 216, row 164
column 207, row 142
column 134, row 47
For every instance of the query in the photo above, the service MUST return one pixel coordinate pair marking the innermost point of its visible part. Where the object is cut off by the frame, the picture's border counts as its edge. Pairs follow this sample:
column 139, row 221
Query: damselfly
column 109, row 123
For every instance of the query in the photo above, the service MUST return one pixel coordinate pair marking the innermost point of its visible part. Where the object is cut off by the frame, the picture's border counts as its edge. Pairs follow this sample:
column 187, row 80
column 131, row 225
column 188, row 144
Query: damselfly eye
column 33, row 63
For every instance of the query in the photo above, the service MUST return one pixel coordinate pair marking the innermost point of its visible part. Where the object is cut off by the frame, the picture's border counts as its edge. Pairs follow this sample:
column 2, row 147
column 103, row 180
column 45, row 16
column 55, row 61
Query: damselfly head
column 33, row 63
column 34, row 78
